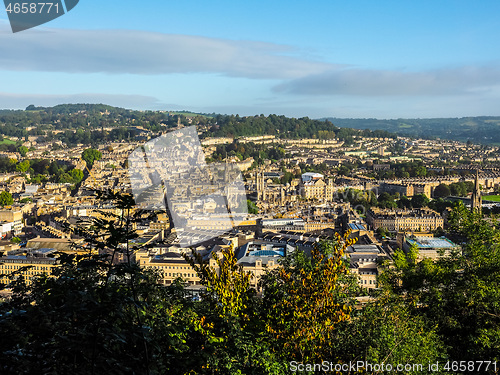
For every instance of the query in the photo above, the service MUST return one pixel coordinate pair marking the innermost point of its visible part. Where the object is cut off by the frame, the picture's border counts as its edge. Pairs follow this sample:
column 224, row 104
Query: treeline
column 286, row 127
column 90, row 120
column 243, row 151
column 94, row 116
column 87, row 120
column 482, row 129
column 43, row 170
column 458, row 189
column 402, row 170
column 95, row 316
column 369, row 199
column 9, row 146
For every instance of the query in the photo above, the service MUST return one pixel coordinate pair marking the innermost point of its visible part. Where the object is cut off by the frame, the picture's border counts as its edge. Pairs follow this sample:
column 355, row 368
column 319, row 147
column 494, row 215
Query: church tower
column 476, row 201
column 261, row 189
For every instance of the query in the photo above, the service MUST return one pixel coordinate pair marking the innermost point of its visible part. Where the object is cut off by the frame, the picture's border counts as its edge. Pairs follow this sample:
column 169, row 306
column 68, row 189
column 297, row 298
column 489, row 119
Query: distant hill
column 90, row 124
column 484, row 129
column 100, row 123
column 84, row 123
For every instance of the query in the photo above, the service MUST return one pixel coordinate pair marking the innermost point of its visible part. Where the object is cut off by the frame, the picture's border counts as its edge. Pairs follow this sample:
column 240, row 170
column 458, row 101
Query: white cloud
column 147, row 53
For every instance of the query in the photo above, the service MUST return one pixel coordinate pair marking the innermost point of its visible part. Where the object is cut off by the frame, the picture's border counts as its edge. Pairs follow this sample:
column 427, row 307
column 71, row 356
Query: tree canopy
column 6, row 198
column 96, row 316
column 90, row 155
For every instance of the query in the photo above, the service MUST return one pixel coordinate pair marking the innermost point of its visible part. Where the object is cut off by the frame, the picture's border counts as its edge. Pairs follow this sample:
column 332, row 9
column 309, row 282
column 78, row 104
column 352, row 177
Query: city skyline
column 382, row 60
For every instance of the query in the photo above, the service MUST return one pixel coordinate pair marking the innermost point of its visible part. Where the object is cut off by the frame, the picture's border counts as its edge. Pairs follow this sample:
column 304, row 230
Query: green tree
column 383, row 231
column 442, row 191
column 404, row 202
column 386, row 200
column 23, row 150
column 6, row 199
column 458, row 294
column 386, row 330
column 419, row 201
column 23, row 166
column 234, row 338
column 90, row 155
column 420, row 171
column 76, row 174
column 90, row 316
column 306, row 299
column 252, row 208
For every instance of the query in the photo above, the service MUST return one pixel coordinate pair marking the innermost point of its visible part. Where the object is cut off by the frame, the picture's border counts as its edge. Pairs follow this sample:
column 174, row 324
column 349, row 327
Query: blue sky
column 382, row 59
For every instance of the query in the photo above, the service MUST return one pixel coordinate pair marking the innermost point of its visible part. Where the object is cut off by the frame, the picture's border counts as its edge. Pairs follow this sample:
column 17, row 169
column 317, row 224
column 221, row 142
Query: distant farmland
column 493, row 198
column 7, row 141
column 481, row 129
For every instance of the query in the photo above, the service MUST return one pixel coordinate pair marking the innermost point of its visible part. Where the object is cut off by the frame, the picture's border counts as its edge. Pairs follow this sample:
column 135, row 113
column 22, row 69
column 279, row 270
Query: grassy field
column 7, row 141
column 494, row 198
column 190, row 114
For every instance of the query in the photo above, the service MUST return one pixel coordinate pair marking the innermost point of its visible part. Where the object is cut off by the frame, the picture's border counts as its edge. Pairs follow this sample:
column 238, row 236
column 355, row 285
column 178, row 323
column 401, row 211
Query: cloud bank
column 359, row 82
column 297, row 84
column 147, row 53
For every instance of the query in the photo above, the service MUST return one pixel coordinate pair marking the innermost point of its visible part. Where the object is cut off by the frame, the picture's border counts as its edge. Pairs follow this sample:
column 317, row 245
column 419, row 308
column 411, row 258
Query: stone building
column 404, row 220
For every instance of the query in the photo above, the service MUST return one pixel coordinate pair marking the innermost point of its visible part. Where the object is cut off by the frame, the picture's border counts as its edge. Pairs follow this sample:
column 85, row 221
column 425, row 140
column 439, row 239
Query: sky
column 324, row 58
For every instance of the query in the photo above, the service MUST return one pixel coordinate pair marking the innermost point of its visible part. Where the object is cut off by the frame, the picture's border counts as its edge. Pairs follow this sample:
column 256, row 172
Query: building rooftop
column 308, row 176
column 363, row 249
column 252, row 251
column 431, row 243
column 354, row 226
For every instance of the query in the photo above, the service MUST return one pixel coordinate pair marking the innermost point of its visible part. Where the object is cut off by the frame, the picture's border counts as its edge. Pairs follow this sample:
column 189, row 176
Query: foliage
column 385, row 330
column 23, row 150
column 440, row 204
column 227, row 284
column 23, row 166
column 442, row 191
column 6, row 199
column 462, row 188
column 382, row 231
column 386, row 200
column 459, row 294
column 306, row 299
column 480, row 129
column 90, row 155
column 419, row 201
column 284, row 127
column 74, row 176
column 94, row 315
column 234, row 340
column 356, row 197
column 252, row 208
column 86, row 319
